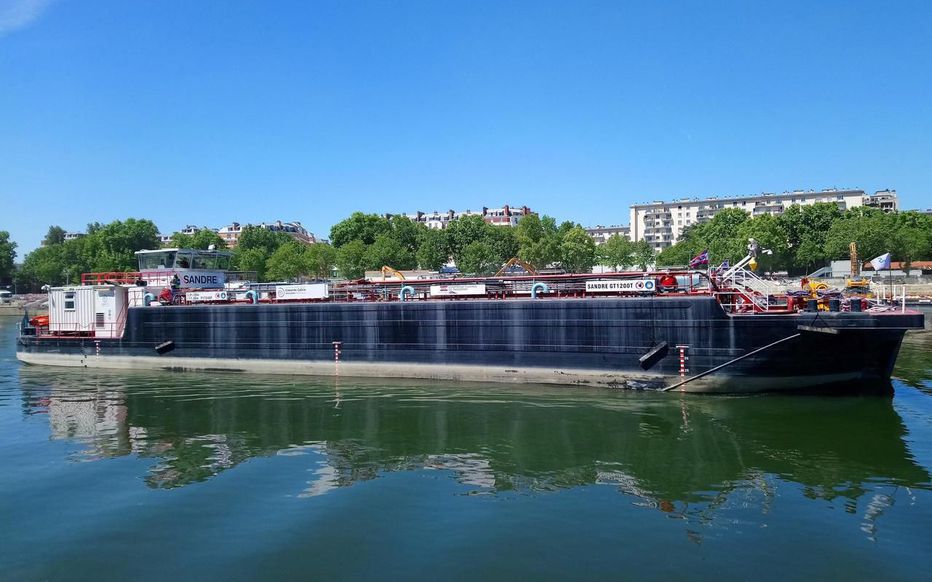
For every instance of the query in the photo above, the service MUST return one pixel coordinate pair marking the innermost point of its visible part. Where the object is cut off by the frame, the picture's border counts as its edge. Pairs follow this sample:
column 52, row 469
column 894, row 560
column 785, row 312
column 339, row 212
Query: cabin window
column 157, row 261
column 184, row 261
column 204, row 262
column 69, row 301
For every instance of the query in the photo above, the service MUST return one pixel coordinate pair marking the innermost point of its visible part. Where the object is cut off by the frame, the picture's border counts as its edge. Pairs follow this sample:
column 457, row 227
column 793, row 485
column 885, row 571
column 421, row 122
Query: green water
column 120, row 476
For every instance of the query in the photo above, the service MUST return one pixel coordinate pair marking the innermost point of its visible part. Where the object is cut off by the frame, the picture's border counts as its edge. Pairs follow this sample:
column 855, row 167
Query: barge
column 689, row 330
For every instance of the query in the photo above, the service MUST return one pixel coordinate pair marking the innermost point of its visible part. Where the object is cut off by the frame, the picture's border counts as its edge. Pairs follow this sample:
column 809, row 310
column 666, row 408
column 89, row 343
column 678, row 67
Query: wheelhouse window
column 156, row 261
column 183, row 260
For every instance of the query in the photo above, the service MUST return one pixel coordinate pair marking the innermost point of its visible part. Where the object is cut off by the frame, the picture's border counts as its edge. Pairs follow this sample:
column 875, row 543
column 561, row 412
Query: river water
column 166, row 476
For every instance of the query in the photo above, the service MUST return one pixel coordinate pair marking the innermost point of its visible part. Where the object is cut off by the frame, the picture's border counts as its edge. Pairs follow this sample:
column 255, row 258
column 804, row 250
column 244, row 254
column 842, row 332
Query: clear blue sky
column 204, row 112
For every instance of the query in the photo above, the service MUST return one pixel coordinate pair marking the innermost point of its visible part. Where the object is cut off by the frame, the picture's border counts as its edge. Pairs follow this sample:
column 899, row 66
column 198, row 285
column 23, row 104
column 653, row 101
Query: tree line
column 359, row 243
column 369, row 241
column 804, row 238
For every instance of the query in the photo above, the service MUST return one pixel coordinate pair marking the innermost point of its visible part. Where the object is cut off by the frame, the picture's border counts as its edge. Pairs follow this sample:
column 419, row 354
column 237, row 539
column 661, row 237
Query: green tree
column 721, row 236
column 503, row 242
column 320, row 259
column 643, row 254
column 7, row 257
column 54, row 236
column 770, row 234
column 616, row 252
column 538, row 240
column 361, row 227
column 114, row 245
column 465, row 230
column 201, row 239
column 255, row 246
column 251, row 261
column 869, row 228
column 43, row 266
column 478, row 258
column 386, row 250
column 351, row 259
column 287, row 262
column 432, row 249
column 256, row 237
column 406, row 232
column 910, row 237
column 578, row 251
column 181, row 240
column 807, row 229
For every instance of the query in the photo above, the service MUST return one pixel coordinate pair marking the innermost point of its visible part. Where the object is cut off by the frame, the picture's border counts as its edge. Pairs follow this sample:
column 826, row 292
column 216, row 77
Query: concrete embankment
column 17, row 309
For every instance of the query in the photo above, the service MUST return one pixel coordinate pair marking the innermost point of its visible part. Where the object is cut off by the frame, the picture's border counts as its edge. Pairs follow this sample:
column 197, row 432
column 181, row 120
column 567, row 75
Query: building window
column 69, row 301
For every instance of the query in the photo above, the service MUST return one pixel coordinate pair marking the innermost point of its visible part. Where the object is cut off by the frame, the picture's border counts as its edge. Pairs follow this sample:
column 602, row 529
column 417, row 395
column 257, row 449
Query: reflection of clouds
column 334, row 469
column 626, row 484
column 469, row 468
column 326, row 479
column 876, row 507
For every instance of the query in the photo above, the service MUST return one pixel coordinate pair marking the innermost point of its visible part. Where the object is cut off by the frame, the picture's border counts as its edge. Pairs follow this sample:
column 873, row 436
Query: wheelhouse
column 174, row 259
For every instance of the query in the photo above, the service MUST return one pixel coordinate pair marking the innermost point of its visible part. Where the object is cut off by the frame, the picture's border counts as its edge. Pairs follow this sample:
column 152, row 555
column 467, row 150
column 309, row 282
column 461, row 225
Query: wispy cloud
column 16, row 14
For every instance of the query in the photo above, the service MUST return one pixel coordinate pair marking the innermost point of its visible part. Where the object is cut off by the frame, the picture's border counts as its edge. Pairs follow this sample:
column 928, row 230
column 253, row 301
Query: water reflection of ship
column 688, row 456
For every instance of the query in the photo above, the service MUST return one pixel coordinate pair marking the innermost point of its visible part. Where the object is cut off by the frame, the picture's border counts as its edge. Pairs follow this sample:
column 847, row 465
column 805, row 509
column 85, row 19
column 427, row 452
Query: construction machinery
column 515, row 262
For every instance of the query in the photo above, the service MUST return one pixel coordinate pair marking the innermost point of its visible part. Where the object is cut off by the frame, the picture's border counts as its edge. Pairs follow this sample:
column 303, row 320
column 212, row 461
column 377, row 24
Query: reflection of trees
column 687, row 457
column 913, row 365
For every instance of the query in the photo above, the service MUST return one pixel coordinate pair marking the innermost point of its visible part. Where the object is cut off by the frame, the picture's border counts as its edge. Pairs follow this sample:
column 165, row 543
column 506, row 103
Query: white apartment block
column 504, row 216
column 230, row 233
column 662, row 223
column 600, row 234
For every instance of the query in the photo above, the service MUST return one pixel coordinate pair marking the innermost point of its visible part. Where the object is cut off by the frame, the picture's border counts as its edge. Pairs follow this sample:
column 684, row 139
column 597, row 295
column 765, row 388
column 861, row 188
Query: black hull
column 585, row 341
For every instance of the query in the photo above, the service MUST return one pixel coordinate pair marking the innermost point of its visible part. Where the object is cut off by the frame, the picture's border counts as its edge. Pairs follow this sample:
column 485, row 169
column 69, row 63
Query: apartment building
column 662, row 223
column 504, row 216
column 231, row 232
column 600, row 234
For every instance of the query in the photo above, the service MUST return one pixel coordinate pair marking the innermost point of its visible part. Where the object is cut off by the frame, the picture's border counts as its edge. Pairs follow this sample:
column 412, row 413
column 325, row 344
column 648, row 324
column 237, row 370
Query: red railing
column 118, row 277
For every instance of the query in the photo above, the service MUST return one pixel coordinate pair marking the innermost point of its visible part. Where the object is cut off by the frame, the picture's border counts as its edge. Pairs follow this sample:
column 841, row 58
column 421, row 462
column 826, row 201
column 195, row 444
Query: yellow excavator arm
column 516, row 261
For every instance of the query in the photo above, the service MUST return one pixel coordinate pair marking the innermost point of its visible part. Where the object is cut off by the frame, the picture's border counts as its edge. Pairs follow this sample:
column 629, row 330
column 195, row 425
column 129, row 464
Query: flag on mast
column 881, row 262
column 700, row 259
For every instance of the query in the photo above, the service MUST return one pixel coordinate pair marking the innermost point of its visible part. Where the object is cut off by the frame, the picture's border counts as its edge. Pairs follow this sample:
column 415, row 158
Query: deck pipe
column 406, row 291
column 147, row 299
column 538, row 287
column 252, row 296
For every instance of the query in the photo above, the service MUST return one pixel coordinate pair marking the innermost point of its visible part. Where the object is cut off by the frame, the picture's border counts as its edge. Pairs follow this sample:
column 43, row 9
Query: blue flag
column 700, row 259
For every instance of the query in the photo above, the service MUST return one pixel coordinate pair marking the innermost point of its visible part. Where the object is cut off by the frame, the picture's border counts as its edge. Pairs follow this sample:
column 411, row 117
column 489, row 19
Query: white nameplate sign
column 309, row 291
column 202, row 296
column 635, row 285
column 457, row 290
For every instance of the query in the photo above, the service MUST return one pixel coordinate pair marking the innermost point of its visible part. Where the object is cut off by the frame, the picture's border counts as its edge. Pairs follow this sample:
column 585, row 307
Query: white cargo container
column 98, row 310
